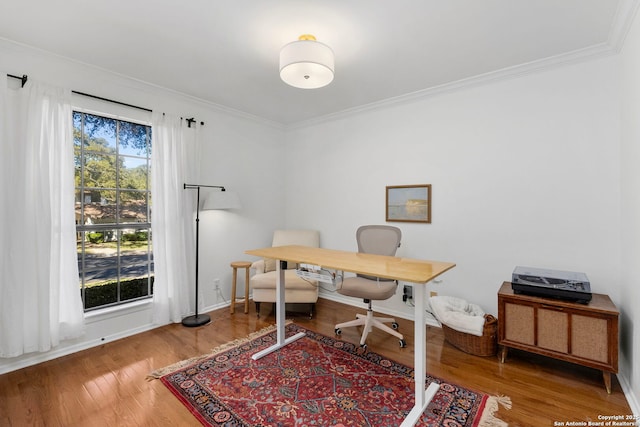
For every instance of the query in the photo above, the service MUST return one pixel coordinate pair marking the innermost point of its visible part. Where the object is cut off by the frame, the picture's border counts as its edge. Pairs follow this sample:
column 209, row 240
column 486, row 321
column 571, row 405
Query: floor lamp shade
column 219, row 200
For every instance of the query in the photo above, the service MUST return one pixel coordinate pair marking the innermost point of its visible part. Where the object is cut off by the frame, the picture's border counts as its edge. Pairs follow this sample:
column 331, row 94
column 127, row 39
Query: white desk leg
column 280, row 317
column 422, row 396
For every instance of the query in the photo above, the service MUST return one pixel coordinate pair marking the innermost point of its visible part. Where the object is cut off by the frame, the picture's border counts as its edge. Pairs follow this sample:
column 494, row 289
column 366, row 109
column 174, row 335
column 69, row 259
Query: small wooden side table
column 236, row 265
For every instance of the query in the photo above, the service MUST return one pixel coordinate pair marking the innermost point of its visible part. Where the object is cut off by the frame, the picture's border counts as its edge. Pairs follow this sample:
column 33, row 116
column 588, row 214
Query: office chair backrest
column 379, row 240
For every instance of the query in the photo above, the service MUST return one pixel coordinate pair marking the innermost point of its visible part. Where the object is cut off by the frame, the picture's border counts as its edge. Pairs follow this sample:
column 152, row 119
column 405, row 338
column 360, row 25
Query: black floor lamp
column 198, row 319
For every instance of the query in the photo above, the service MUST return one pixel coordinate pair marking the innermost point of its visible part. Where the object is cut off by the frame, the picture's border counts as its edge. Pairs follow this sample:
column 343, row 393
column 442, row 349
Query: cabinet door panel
column 519, row 323
column 553, row 330
column 589, row 338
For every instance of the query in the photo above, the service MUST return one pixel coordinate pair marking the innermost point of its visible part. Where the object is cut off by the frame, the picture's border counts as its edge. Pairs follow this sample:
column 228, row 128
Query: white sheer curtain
column 40, row 302
column 174, row 160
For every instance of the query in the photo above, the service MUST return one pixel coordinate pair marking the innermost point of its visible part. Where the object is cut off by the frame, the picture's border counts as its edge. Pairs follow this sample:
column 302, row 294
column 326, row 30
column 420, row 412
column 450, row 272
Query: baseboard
column 68, row 348
column 628, row 394
column 215, row 307
column 632, row 399
column 36, row 358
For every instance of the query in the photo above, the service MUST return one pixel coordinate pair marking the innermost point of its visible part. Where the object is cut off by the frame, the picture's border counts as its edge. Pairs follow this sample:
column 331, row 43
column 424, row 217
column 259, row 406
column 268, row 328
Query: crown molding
column 592, row 52
column 620, row 26
column 625, row 14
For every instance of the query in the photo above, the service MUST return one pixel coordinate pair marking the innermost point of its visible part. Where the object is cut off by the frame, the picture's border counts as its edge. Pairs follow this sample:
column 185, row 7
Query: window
column 113, row 199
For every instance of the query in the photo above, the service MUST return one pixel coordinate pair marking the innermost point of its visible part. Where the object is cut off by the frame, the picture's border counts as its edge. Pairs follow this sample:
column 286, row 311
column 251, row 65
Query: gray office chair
column 379, row 240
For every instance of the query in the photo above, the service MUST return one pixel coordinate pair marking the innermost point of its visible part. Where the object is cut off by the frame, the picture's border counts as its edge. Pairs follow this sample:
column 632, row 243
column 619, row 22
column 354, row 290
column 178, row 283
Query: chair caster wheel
column 363, row 346
column 338, row 331
column 403, row 343
column 395, row 325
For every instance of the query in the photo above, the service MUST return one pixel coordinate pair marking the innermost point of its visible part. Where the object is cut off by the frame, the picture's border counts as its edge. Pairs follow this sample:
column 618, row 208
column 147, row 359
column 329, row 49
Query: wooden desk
column 396, row 268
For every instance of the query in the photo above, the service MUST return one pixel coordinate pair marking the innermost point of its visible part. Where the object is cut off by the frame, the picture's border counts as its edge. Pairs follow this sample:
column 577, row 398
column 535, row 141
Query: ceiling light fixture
column 306, row 63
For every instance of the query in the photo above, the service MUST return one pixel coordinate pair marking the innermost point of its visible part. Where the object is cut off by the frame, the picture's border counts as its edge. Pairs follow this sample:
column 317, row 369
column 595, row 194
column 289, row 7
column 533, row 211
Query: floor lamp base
column 198, row 320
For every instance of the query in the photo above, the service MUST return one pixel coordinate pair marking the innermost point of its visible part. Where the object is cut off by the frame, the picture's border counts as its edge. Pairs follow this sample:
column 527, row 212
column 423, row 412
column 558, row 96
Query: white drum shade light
column 306, row 63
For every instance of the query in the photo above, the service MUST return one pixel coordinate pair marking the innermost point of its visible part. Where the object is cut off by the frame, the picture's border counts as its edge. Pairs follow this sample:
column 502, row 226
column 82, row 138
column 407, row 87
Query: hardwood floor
column 106, row 385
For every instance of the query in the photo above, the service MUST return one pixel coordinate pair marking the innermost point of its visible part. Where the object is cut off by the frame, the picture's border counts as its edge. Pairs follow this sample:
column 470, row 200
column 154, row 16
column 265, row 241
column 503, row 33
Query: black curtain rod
column 189, row 121
column 111, row 100
column 23, row 79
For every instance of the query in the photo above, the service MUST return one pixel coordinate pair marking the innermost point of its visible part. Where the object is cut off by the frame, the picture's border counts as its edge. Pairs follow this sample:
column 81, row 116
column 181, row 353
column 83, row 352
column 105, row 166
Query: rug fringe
column 488, row 418
column 158, row 373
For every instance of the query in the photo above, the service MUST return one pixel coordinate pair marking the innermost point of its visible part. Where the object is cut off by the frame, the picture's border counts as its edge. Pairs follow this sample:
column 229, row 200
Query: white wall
column 630, row 288
column 239, row 152
column 524, row 172
column 246, row 158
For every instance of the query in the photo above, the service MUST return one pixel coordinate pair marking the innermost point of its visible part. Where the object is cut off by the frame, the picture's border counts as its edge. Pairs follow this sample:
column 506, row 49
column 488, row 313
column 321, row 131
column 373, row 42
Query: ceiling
column 226, row 51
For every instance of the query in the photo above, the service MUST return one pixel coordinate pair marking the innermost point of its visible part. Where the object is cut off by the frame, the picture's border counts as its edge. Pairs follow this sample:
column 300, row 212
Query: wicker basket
column 486, row 345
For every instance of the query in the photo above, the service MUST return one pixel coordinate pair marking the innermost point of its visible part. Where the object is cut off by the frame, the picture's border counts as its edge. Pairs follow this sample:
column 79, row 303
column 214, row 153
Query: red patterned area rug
column 314, row 381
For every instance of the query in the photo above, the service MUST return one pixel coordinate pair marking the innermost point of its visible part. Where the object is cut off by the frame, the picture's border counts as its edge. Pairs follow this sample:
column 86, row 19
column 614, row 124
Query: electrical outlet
column 407, row 293
column 433, row 294
column 216, row 288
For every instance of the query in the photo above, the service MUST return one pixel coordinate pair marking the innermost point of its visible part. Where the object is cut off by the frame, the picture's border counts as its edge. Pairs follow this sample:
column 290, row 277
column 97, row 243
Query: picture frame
column 408, row 203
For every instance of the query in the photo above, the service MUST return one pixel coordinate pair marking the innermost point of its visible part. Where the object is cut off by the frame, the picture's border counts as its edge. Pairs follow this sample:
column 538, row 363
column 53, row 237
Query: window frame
column 117, row 113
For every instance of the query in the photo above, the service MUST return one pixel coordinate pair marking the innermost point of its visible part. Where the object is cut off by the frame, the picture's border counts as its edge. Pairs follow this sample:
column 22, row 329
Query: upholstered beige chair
column 379, row 240
column 297, row 290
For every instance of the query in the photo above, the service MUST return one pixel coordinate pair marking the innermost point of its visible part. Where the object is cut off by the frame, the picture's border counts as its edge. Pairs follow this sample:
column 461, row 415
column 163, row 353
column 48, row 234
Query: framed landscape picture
column 409, row 203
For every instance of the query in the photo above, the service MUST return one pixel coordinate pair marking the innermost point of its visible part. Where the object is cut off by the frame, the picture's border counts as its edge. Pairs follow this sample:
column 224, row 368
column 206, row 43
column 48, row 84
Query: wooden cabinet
column 586, row 334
